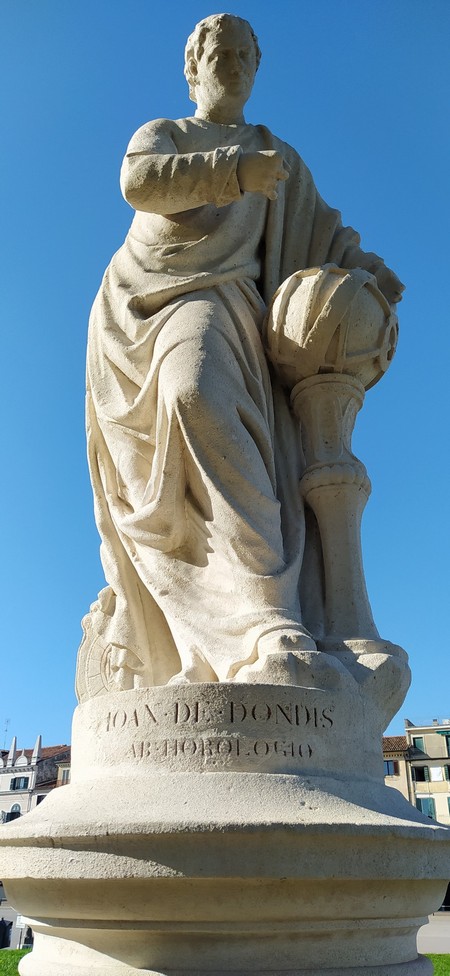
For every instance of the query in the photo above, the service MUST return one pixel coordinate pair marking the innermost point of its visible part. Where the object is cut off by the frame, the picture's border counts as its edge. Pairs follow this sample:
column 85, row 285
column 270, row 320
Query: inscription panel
column 219, row 747
column 204, row 713
column 218, row 727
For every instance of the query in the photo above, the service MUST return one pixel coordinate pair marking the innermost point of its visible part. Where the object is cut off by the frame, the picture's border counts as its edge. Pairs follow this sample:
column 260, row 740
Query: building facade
column 418, row 764
column 26, row 777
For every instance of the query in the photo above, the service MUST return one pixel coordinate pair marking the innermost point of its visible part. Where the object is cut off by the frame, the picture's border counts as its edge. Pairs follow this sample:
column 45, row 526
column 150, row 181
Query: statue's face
column 227, row 67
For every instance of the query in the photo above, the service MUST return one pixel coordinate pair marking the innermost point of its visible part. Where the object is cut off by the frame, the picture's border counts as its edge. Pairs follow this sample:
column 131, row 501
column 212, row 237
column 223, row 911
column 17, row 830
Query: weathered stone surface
column 227, row 811
column 216, row 825
column 194, row 450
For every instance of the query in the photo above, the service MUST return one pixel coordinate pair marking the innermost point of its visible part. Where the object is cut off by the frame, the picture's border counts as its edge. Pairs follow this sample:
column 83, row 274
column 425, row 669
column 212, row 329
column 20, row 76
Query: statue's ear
column 193, row 70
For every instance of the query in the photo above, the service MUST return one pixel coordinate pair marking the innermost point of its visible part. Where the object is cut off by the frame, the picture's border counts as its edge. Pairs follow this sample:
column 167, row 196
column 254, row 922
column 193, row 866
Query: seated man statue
column 194, row 454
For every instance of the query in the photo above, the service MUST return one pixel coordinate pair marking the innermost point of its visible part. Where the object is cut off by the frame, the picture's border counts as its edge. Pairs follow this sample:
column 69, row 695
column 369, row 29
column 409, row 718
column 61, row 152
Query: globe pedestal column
column 335, row 485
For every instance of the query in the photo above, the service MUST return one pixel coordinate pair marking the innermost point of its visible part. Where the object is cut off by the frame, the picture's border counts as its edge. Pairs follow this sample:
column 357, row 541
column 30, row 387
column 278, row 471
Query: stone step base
column 297, row 954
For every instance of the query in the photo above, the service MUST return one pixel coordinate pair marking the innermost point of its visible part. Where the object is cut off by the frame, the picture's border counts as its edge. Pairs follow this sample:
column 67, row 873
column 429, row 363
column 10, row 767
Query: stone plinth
column 225, row 828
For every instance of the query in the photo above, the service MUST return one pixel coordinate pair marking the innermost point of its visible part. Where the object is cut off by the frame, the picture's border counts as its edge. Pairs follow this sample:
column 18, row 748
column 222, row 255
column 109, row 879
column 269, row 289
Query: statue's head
column 221, row 59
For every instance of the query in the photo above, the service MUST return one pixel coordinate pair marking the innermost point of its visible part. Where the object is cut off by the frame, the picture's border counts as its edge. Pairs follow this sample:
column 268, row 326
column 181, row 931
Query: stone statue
column 227, row 811
column 213, row 555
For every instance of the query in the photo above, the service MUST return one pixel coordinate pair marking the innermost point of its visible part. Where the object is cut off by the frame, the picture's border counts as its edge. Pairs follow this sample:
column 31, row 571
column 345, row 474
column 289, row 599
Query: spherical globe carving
column 330, row 320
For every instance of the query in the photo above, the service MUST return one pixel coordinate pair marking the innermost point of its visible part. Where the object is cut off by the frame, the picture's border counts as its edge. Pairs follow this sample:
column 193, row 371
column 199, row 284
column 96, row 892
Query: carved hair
column 196, row 43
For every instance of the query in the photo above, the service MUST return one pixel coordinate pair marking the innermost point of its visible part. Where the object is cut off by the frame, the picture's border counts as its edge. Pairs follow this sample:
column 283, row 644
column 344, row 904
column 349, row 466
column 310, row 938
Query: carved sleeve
column 155, row 178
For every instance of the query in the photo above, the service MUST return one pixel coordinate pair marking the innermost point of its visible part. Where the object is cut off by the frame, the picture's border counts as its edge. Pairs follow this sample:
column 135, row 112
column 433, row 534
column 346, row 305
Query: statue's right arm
column 156, row 178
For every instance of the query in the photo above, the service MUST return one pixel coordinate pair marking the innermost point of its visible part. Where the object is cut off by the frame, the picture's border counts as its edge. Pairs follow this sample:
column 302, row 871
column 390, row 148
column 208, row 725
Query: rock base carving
column 226, row 828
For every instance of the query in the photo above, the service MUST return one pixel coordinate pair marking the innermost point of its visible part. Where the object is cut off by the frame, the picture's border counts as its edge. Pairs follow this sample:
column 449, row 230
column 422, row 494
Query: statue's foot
column 285, row 641
column 288, row 657
column 195, row 669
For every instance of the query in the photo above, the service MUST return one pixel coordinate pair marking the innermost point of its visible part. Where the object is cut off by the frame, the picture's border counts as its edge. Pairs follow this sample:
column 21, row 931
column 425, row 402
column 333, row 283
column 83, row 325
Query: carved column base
column 226, row 828
column 336, row 487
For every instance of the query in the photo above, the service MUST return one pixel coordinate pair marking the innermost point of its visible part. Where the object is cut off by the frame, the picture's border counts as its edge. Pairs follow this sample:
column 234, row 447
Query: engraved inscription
column 123, row 720
column 219, row 747
column 288, row 714
column 229, row 729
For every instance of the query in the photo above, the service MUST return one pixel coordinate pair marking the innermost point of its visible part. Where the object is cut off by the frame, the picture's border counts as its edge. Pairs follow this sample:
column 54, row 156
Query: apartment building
column 26, row 777
column 418, row 764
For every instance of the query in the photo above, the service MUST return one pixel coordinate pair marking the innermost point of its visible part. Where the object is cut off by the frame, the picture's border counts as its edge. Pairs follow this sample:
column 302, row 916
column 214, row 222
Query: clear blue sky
column 361, row 89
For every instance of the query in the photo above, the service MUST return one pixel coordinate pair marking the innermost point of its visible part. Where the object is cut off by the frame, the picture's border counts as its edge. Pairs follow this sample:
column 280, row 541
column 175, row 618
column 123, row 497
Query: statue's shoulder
column 145, row 137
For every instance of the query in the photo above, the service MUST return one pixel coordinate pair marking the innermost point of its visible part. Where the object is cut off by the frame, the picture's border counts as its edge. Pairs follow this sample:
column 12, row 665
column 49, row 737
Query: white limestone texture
column 227, row 812
column 226, row 828
column 195, row 454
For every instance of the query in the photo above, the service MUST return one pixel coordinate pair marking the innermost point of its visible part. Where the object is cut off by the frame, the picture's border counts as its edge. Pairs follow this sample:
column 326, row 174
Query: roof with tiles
column 395, row 743
column 46, row 752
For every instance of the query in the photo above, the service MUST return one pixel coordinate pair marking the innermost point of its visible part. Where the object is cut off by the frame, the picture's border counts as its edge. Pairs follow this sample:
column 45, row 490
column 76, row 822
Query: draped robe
column 194, row 455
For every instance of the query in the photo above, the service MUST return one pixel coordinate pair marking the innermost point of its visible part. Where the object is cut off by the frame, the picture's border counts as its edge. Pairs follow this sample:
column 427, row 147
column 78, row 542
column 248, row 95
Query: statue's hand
column 259, row 172
column 389, row 284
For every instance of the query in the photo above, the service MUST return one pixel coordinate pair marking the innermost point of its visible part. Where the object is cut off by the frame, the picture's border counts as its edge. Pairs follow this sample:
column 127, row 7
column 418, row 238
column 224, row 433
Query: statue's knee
column 188, row 381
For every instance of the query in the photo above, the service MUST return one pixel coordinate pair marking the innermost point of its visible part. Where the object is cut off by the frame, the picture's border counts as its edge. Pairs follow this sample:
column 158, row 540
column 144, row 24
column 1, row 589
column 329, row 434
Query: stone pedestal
column 227, row 828
column 336, row 486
